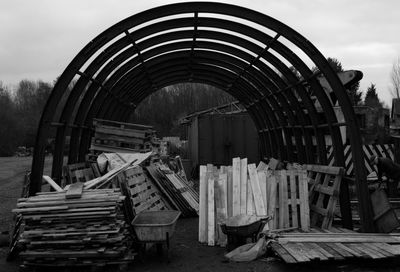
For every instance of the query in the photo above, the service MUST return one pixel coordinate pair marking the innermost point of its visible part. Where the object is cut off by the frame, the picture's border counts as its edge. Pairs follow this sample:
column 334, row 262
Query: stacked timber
column 77, row 227
column 244, row 189
column 112, row 136
column 176, row 190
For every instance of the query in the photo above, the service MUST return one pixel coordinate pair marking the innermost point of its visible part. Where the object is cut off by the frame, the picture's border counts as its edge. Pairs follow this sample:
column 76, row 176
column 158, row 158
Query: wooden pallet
column 143, row 194
column 292, row 207
column 335, row 244
column 324, row 188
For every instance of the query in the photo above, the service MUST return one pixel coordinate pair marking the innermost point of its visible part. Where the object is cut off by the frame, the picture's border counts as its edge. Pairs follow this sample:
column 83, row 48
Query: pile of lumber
column 335, row 244
column 176, row 190
column 111, row 136
column 71, row 229
column 244, row 189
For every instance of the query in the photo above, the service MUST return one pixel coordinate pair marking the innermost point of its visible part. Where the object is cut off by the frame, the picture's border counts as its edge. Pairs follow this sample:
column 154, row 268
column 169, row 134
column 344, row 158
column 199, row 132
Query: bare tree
column 395, row 79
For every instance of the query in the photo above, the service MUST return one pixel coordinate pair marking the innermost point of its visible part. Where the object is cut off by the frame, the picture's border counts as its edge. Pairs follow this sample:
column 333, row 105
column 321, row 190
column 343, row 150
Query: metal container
column 155, row 226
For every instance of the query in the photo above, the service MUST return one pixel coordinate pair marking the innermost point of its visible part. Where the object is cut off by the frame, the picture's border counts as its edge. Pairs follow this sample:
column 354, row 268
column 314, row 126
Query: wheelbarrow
column 155, row 227
column 239, row 228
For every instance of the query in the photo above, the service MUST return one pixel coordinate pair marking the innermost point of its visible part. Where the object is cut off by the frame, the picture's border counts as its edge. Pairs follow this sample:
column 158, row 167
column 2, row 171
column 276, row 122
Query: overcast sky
column 38, row 38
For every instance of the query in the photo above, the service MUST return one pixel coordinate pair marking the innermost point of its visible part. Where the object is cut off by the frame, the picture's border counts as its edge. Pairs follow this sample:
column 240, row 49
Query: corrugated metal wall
column 217, row 138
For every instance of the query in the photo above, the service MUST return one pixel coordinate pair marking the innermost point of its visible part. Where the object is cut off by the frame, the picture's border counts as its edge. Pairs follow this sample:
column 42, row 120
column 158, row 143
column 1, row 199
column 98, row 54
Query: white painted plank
column 262, row 178
column 255, row 187
column 53, row 184
column 250, row 200
column 203, row 205
column 211, row 212
column 229, row 190
column 243, row 185
column 236, row 186
column 222, row 211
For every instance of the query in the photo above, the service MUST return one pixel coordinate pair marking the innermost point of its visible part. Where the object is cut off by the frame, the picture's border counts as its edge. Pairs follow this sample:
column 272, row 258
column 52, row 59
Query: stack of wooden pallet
column 176, row 190
column 72, row 229
column 335, row 244
column 244, row 189
column 112, row 136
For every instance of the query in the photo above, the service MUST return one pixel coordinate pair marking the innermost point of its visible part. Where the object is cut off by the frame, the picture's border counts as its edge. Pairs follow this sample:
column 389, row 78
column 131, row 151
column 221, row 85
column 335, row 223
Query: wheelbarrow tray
column 155, row 226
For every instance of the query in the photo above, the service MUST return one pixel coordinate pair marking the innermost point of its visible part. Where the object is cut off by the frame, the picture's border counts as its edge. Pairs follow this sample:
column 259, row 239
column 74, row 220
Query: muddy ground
column 185, row 253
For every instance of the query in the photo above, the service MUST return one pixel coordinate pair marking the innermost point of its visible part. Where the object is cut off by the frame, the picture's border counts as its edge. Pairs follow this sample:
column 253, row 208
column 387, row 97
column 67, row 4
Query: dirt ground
column 185, row 253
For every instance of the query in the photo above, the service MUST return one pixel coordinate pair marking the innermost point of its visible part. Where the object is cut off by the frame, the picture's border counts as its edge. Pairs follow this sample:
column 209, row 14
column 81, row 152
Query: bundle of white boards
column 246, row 189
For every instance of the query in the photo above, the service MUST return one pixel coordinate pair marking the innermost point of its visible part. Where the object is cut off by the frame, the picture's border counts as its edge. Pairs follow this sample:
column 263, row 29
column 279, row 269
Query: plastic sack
column 248, row 252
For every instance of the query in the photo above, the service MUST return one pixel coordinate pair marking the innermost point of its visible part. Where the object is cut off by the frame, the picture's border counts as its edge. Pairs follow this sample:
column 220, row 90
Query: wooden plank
column 229, row 190
column 236, row 186
column 297, row 252
column 221, row 208
column 255, row 188
column 324, row 252
column 339, row 239
column 349, row 249
column 262, row 178
column 304, row 204
column 211, row 212
column 388, row 248
column 342, row 252
column 331, row 251
column 283, row 200
column 52, row 183
column 355, row 247
column 312, row 253
column 250, row 200
column 272, row 201
column 293, row 198
column 283, row 253
column 367, row 250
column 203, row 233
column 243, row 186
column 378, row 252
column 75, row 190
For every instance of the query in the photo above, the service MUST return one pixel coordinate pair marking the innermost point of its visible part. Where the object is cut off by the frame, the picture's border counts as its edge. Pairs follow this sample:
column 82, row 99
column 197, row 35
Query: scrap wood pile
column 292, row 198
column 112, row 136
column 74, row 229
column 334, row 244
column 176, row 190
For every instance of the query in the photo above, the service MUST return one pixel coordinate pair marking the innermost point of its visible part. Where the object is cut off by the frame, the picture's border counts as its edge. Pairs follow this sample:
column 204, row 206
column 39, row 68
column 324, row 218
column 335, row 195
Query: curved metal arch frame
column 196, row 48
